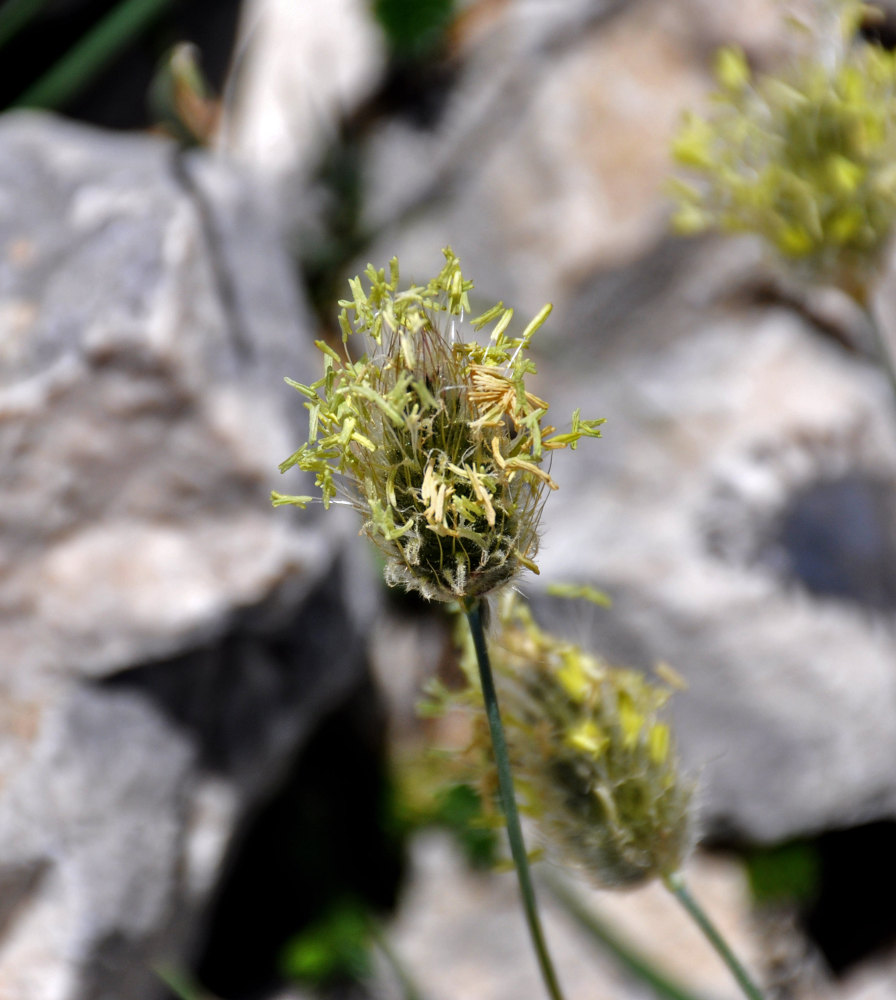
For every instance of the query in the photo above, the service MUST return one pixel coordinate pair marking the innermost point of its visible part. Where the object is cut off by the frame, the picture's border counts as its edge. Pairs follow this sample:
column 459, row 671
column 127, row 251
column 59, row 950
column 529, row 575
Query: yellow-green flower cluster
column 435, row 439
column 593, row 760
column 807, row 159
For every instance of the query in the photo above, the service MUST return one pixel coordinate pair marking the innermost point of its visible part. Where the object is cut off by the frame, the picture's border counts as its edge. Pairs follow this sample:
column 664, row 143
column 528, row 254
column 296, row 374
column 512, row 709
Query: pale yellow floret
column 498, row 396
column 588, row 737
column 433, row 493
column 530, row 467
column 481, row 495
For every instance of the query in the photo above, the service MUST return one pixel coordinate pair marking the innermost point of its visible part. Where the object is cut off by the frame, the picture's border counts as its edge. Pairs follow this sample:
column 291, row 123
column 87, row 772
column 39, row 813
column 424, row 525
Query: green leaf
column 337, row 946
column 789, row 871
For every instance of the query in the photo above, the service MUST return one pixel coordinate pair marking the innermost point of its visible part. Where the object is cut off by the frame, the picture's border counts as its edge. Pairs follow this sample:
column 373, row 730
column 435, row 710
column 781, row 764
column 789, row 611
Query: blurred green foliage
column 459, row 810
column 15, row 15
column 427, row 794
column 335, row 948
column 413, row 27
column 784, row 873
column 88, row 55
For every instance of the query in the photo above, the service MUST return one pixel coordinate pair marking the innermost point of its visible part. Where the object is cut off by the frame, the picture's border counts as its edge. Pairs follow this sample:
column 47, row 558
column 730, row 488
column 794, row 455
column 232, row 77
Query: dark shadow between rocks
column 852, row 917
column 837, row 538
column 283, row 707
column 321, row 838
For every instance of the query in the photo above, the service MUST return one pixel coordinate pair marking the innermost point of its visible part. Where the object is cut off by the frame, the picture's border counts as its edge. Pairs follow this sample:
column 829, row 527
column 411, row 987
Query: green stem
column 473, row 609
column 88, row 57
column 676, row 885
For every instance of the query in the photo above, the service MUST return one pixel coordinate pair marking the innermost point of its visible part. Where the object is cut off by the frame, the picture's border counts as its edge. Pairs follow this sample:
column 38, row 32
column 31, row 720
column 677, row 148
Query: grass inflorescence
column 593, row 758
column 805, row 158
column 433, row 438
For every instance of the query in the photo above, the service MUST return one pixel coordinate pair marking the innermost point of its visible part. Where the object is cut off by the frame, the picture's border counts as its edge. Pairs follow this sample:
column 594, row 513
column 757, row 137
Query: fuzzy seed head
column 593, row 758
column 435, row 440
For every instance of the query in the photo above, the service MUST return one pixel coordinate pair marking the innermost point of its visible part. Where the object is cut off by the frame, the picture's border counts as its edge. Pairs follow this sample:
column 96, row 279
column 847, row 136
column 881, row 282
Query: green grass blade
column 15, row 15
column 86, row 60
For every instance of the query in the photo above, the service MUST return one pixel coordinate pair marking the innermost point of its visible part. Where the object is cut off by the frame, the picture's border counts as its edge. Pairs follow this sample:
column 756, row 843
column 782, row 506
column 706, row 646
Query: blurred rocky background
column 211, row 769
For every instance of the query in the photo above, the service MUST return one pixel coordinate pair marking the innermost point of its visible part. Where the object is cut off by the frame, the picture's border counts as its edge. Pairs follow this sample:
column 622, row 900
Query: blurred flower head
column 593, row 760
column 805, row 159
column 434, row 439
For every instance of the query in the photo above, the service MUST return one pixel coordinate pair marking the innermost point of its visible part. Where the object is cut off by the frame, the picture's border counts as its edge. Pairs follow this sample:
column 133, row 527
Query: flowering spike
column 803, row 159
column 434, row 440
column 595, row 764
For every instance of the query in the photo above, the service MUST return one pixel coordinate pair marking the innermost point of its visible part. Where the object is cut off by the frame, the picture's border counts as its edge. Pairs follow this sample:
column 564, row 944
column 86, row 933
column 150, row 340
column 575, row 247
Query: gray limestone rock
column 147, row 325
column 167, row 639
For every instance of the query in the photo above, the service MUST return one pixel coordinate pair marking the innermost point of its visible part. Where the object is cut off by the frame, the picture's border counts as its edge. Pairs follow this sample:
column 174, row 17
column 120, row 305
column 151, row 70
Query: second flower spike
column 593, row 758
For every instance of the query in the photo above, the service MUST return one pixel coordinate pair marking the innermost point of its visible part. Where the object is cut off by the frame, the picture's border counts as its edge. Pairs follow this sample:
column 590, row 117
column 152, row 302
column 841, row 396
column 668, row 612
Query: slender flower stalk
column 621, row 950
column 473, row 611
column 676, row 884
column 881, row 346
column 409, row 988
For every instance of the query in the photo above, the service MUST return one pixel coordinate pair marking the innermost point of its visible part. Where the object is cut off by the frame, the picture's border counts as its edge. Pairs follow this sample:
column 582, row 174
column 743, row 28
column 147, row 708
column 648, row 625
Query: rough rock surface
column 166, row 638
column 135, row 349
column 551, row 154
